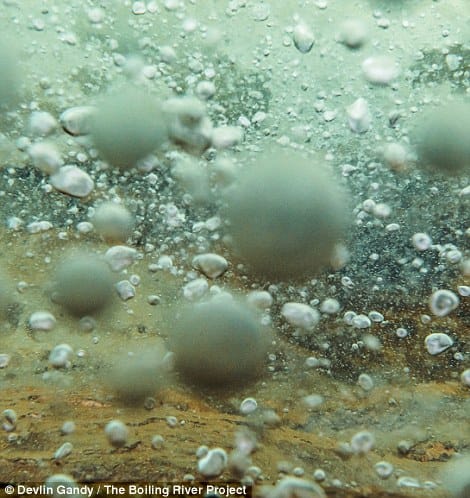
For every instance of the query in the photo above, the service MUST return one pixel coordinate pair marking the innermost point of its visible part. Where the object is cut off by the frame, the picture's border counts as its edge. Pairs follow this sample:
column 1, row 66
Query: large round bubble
column 127, row 126
column 286, row 214
column 83, row 284
column 218, row 343
column 443, row 140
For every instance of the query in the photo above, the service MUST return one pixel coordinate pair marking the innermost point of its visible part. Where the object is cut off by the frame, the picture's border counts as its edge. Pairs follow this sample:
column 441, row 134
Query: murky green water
column 314, row 155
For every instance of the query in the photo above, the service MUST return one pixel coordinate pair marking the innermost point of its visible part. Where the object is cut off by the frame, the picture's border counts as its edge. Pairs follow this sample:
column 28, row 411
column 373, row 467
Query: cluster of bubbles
column 286, row 214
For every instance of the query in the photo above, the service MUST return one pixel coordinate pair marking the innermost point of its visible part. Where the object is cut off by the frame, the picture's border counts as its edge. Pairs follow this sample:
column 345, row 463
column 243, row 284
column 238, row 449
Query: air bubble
column 383, row 469
column 442, row 302
column 438, row 343
column 366, row 382
column 362, row 442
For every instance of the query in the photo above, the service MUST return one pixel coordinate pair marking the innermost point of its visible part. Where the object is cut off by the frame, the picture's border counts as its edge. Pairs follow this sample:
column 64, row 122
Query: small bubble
column 348, row 317
column 437, row 343
column 383, row 469
column 300, row 315
column 117, row 433
column 361, row 322
column 465, row 377
column 312, row 362
column 213, row 463
column 63, row 451
column 463, row 290
column 408, row 482
column 172, row 421
column 347, row 282
column 9, row 419
column 303, row 38
column 60, row 356
column 319, row 475
column 157, row 441
column 4, row 360
column 313, row 401
column 260, row 11
column 298, row 471
column 365, row 381
column 442, row 302
column 362, row 442
column 425, row 319
column 248, row 405
column 68, row 427
column 375, row 316
column 330, row 306
column 401, row 332
column 380, row 70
